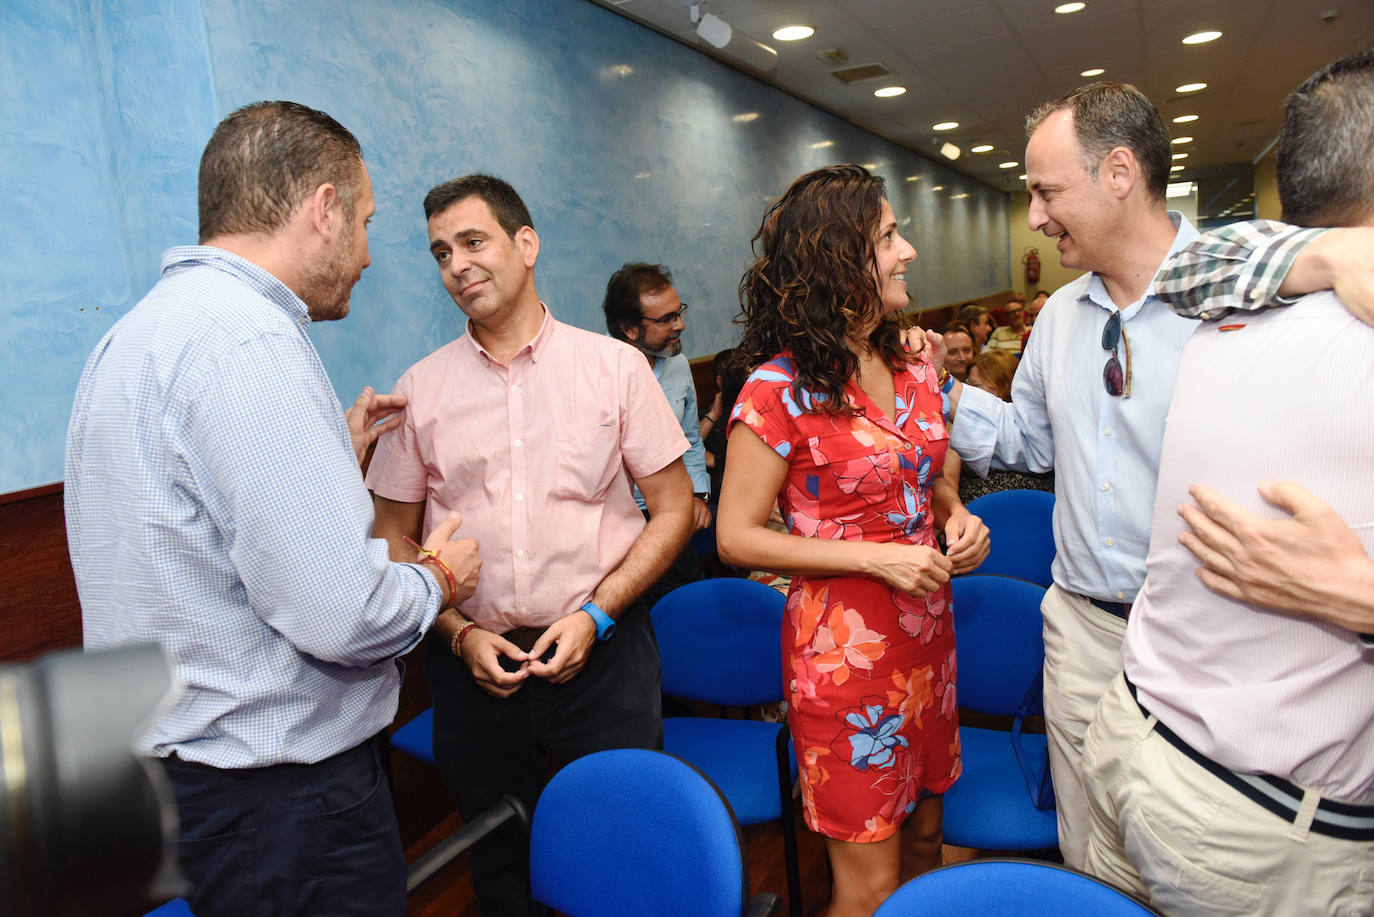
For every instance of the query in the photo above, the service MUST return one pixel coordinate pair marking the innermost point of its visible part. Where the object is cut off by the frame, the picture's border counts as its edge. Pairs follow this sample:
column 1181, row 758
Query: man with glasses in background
column 643, row 310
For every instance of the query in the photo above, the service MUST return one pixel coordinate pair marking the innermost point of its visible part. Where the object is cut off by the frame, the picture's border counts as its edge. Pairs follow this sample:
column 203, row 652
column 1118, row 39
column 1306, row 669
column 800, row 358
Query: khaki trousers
column 1165, row 829
column 1082, row 656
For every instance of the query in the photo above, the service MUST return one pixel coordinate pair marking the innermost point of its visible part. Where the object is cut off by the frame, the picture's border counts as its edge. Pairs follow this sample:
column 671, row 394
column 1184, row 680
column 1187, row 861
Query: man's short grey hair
column 1109, row 115
column 1326, row 149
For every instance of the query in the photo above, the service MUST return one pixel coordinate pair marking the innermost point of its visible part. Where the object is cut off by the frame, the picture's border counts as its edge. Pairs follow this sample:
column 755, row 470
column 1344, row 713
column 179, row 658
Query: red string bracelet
column 428, row 556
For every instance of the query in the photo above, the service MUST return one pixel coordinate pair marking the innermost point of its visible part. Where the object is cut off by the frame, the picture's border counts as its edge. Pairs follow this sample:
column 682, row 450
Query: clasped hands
column 920, row 570
column 501, row 668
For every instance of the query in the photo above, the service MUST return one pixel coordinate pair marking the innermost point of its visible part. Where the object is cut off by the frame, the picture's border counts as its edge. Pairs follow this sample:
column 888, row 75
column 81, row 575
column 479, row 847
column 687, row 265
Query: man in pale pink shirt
column 535, row 431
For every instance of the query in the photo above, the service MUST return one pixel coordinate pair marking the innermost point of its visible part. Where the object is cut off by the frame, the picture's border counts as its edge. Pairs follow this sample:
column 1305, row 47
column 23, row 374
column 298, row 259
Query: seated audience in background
column 959, row 350
column 1036, row 304
column 993, row 372
column 833, row 400
column 1011, row 336
column 978, row 320
column 1231, row 768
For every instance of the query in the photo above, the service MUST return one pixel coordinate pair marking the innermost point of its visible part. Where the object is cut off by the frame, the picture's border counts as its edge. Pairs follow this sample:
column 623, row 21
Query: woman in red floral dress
column 844, row 428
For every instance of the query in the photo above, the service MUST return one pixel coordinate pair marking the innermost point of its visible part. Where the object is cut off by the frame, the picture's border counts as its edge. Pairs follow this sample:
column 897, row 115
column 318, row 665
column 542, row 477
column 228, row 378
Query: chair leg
column 789, row 826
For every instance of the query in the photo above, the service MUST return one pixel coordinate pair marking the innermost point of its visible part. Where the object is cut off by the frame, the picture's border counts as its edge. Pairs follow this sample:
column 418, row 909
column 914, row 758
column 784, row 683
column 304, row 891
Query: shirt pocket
column 585, row 467
column 857, row 461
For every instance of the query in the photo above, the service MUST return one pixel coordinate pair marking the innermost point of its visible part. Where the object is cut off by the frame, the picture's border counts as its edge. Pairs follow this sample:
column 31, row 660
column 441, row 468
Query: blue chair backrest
column 635, row 832
column 1022, row 530
column 720, row 641
column 1023, row 888
column 999, row 643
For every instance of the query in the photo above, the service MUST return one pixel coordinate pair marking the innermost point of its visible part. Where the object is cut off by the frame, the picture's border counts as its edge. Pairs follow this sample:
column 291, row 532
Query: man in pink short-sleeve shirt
column 534, row 431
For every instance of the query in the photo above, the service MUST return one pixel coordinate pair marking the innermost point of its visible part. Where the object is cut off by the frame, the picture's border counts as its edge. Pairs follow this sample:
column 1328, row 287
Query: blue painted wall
column 625, row 144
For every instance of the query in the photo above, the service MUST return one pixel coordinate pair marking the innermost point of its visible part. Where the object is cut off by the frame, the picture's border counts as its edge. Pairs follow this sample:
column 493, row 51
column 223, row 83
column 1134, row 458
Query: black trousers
column 487, row 747
column 291, row 839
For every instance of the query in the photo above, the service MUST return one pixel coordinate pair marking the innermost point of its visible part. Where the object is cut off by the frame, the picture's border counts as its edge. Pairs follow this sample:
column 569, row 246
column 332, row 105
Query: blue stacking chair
column 720, row 641
column 1019, row 522
column 1001, row 651
column 416, row 738
column 177, row 907
column 1009, row 888
column 636, row 833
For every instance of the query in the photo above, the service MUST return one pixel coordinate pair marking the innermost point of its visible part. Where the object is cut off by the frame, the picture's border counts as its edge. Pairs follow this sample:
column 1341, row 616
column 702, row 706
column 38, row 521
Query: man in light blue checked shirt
column 215, row 505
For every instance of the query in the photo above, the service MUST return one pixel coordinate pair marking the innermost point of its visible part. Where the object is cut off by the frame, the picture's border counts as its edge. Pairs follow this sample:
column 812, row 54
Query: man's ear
column 527, row 240
column 1120, row 172
column 631, row 332
column 325, row 211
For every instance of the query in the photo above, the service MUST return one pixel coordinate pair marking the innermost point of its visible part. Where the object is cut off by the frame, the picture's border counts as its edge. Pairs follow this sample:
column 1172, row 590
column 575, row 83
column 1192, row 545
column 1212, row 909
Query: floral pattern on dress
column 869, row 669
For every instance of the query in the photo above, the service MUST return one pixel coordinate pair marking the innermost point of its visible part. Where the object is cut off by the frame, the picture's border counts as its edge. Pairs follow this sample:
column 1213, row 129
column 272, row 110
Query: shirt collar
column 267, row 284
column 1096, row 291
column 535, row 346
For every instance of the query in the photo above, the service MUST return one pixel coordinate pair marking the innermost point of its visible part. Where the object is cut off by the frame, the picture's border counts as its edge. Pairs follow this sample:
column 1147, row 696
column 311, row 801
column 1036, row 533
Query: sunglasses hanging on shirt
column 1118, row 385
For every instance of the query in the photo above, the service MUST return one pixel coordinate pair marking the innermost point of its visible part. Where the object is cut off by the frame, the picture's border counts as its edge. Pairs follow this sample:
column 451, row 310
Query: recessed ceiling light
column 1185, row 119
column 1021, row 177
column 797, row 32
column 1178, row 140
column 1093, row 71
column 870, row 166
column 1180, row 156
column 1069, row 7
column 1197, row 38
column 822, row 144
column 937, row 187
column 1008, row 165
column 1191, row 87
column 949, row 151
column 981, row 148
column 945, row 126
column 744, row 117
column 888, row 92
column 1175, row 168
column 958, row 197
column 913, row 178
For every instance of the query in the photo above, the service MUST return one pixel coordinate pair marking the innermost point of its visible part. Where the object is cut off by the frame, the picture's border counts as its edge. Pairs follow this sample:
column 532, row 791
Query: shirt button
column 520, row 553
column 519, row 498
column 515, row 387
column 1252, row 294
column 1106, row 486
column 517, row 443
column 1107, row 432
column 1120, row 594
column 1108, row 542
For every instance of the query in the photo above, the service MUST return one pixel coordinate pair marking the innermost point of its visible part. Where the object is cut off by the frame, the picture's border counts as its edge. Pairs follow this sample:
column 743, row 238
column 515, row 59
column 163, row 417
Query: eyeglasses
column 669, row 318
column 1112, row 334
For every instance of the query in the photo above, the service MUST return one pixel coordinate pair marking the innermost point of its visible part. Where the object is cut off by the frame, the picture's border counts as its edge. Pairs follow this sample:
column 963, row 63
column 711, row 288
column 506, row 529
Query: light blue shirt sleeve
column 675, row 378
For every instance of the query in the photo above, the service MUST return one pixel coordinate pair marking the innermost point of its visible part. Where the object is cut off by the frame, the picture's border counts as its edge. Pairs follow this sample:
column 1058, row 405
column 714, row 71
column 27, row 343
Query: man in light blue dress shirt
column 215, row 505
column 1090, row 396
column 643, row 309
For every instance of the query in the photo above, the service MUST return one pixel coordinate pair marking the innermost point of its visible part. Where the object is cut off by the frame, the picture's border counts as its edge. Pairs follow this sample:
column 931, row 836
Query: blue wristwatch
column 605, row 624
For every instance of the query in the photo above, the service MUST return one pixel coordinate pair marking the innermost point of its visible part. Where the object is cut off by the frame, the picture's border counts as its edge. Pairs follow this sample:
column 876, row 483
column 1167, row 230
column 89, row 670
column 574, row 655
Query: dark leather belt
column 1121, row 609
column 525, row 637
column 1282, row 797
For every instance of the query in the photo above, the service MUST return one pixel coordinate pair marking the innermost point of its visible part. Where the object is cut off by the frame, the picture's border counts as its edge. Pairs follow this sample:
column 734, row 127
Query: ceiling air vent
column 860, row 73
column 833, row 56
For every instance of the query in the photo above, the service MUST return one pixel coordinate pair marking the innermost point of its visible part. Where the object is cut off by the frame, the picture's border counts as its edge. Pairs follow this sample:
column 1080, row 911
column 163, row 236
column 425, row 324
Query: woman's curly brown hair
column 813, row 282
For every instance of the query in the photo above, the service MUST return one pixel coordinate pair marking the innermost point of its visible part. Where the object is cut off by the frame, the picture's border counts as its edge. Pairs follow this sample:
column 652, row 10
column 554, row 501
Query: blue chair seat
column 416, row 738
column 989, row 807
column 177, row 907
column 1025, row 888
column 732, row 753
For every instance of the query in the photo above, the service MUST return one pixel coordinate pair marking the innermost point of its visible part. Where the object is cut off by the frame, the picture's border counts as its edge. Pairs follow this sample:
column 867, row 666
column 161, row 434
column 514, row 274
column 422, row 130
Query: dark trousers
column 487, row 747
column 291, row 839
